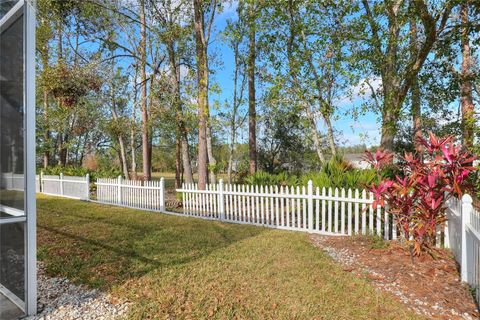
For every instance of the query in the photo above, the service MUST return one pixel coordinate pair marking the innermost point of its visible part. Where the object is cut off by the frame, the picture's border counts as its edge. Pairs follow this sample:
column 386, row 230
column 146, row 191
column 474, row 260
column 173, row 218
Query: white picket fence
column 12, row 181
column 331, row 212
column 66, row 186
column 16, row 181
column 38, row 184
column 306, row 209
column 147, row 195
column 464, row 239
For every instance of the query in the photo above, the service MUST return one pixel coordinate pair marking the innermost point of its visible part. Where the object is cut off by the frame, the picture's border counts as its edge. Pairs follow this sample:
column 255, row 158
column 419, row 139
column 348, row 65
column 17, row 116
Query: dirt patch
column 430, row 287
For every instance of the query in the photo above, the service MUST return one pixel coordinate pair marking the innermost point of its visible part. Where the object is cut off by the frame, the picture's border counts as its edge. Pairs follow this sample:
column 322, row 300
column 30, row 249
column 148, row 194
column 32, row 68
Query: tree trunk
column 123, row 157
column 63, row 150
column 82, row 154
column 330, row 135
column 147, row 166
column 202, row 74
column 416, row 118
column 46, row 135
column 121, row 143
column 315, row 136
column 62, row 154
column 182, row 156
column 389, row 127
column 133, row 164
column 178, row 161
column 231, row 151
column 187, row 167
column 293, row 73
column 466, row 99
column 252, row 114
column 212, row 163
column 415, row 92
column 235, row 105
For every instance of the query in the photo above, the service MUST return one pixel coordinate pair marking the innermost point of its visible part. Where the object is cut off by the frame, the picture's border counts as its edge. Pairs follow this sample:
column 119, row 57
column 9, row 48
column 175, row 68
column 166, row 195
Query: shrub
column 264, row 178
column 335, row 173
column 81, row 171
column 417, row 196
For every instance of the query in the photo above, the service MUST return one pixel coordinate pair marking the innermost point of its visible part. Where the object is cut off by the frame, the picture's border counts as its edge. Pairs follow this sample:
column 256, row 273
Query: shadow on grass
column 103, row 246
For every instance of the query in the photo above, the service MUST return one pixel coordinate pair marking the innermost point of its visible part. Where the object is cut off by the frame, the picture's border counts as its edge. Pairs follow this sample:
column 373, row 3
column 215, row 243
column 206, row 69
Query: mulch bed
column 430, row 287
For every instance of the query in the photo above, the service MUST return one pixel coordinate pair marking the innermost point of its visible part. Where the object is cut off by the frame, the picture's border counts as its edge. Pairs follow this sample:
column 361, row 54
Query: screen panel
column 12, row 258
column 12, row 180
column 6, row 5
column 13, row 222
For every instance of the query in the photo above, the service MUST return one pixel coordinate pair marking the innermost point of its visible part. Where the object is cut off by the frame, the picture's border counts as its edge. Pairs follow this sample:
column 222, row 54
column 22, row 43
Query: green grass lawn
column 184, row 268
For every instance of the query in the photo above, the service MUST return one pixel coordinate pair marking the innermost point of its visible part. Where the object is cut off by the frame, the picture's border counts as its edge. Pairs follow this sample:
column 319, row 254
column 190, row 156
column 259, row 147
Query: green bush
column 267, row 179
column 333, row 174
column 80, row 171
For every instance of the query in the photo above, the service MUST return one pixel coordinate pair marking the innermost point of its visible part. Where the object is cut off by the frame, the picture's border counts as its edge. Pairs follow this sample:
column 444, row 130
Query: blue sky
column 363, row 129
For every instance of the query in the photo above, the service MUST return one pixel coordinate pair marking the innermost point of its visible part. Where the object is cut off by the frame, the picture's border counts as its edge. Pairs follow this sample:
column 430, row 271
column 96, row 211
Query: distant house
column 357, row 160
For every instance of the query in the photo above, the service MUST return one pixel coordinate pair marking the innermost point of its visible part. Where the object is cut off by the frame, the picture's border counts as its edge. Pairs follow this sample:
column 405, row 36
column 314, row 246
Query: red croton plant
column 417, row 196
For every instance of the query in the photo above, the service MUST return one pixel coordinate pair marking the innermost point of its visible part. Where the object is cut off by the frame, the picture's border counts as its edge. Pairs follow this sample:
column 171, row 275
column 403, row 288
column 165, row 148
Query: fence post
column 467, row 208
column 310, row 204
column 119, row 190
column 87, row 181
column 221, row 203
column 162, row 194
column 61, row 184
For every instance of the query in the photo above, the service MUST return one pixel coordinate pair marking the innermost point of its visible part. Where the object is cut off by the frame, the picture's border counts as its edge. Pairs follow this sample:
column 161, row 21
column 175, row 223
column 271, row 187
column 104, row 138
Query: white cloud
column 360, row 92
column 230, row 7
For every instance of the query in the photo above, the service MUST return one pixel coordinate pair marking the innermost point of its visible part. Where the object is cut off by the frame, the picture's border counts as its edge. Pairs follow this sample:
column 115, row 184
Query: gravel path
column 58, row 299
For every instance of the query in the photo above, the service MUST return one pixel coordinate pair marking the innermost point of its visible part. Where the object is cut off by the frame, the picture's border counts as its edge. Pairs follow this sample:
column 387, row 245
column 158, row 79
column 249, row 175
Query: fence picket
column 277, row 209
column 317, row 209
column 370, row 214
column 304, row 210
column 335, row 212
column 271, row 215
column 282, row 208
column 349, row 218
column 323, row 208
column 262, row 207
column 248, row 199
column 291, row 206
column 287, row 210
column 364, row 213
column 394, row 228
column 379, row 221
column 267, row 207
column 357, row 217
column 386, row 226
column 342, row 227
column 236, row 202
column 329, row 222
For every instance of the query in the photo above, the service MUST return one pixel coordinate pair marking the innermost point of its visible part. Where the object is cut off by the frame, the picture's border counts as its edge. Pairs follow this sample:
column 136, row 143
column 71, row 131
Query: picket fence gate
column 66, row 186
column 146, row 195
column 308, row 209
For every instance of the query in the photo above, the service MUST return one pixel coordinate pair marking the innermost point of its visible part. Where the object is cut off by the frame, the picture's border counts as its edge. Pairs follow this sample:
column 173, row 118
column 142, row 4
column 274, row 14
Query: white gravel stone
column 58, row 299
